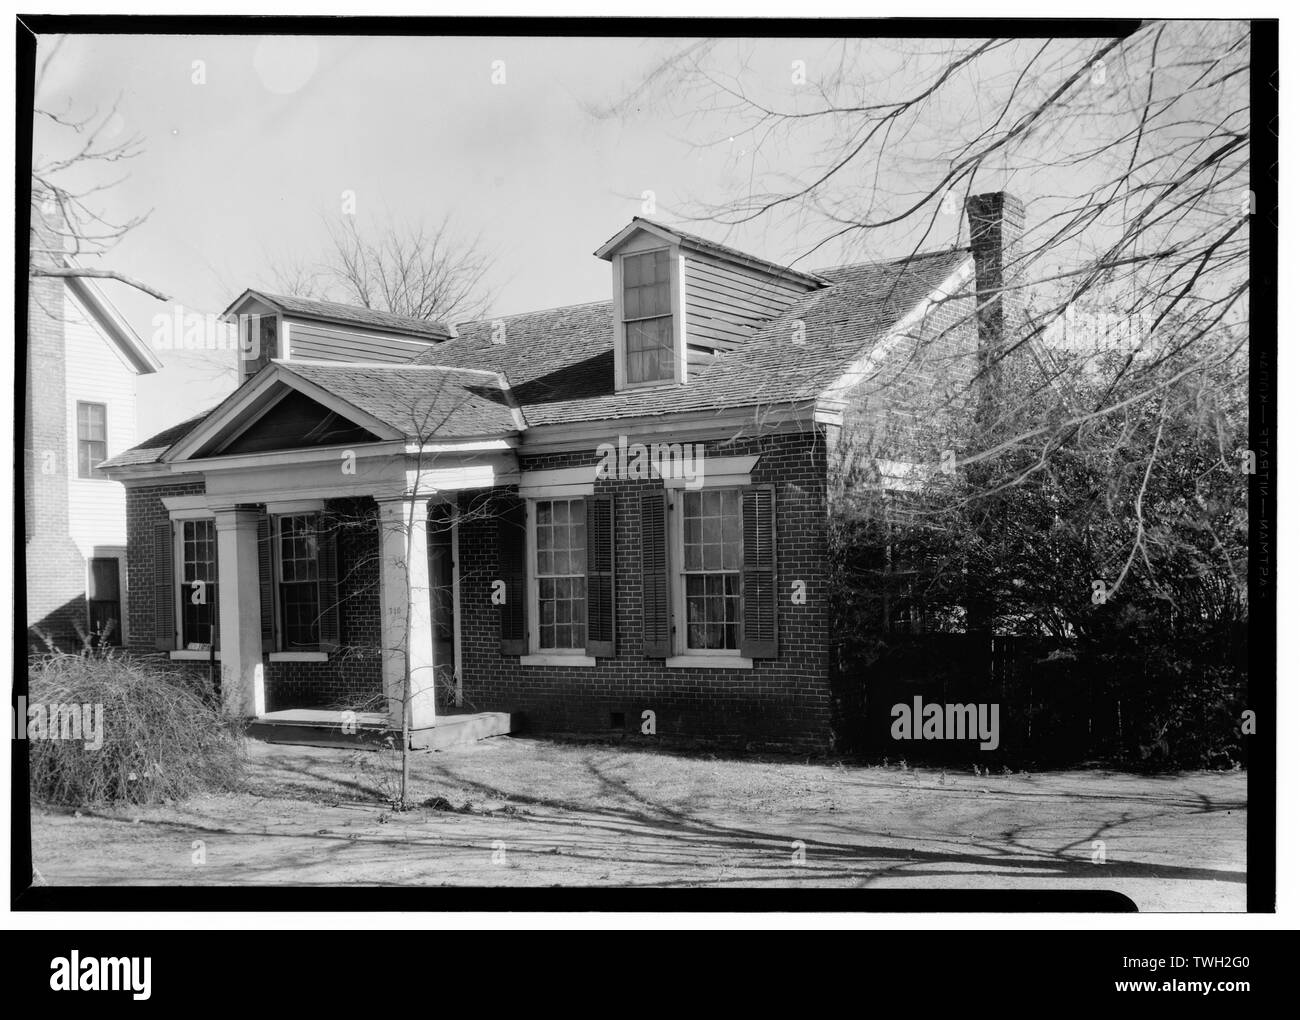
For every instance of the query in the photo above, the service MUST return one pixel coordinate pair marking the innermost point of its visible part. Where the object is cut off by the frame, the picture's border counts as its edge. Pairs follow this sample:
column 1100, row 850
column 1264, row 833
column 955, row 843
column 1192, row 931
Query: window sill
column 556, row 659
column 708, row 662
column 300, row 657
column 194, row 654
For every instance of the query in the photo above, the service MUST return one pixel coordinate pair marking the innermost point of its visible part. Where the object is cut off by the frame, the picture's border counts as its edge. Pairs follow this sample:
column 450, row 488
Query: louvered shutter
column 164, row 588
column 758, row 628
column 656, row 613
column 600, row 576
column 266, row 592
column 512, row 552
column 327, row 583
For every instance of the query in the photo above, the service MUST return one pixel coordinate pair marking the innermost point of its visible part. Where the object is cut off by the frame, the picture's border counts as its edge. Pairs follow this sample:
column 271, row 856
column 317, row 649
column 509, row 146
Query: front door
column 442, row 599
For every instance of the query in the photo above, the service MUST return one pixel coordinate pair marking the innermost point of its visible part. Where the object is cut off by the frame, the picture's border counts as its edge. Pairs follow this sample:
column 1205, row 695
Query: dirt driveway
column 513, row 811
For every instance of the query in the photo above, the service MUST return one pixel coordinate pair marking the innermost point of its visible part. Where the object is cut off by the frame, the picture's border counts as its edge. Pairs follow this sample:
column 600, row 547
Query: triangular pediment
column 296, row 422
column 277, row 411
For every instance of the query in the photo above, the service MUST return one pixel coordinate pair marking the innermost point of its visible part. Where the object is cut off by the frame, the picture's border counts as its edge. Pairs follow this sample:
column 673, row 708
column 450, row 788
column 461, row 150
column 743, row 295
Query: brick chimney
column 997, row 221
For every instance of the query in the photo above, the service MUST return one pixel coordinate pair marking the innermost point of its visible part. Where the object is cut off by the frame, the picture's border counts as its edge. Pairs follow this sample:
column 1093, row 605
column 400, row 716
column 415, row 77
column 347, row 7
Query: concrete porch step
column 455, row 730
column 324, row 728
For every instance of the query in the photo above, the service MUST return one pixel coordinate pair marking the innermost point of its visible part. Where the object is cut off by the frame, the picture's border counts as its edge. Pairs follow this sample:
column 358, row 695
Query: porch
column 335, row 525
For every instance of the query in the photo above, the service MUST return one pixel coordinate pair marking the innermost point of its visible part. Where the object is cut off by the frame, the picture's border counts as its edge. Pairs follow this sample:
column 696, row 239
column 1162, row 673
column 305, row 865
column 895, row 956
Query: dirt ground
column 531, row 812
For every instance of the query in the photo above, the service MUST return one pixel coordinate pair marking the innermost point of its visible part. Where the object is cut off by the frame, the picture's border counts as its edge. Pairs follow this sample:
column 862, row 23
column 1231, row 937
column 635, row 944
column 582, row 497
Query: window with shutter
column 723, row 545
column 164, row 597
column 327, row 574
column 265, row 582
column 512, row 555
column 656, row 614
column 758, row 635
column 600, row 576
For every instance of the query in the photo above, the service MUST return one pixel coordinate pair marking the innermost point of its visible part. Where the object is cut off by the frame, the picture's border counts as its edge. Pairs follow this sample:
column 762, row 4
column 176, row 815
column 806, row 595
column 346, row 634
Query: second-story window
column 92, row 438
column 648, row 317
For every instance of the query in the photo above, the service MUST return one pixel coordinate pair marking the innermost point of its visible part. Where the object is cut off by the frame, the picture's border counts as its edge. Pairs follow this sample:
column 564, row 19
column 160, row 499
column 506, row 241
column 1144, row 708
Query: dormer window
column 648, row 317
column 681, row 303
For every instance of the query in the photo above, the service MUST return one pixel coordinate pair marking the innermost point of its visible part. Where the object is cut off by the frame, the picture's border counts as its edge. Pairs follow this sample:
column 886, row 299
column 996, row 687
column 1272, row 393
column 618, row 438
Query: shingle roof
column 688, row 240
column 156, row 445
column 420, row 401
column 560, row 362
column 372, row 318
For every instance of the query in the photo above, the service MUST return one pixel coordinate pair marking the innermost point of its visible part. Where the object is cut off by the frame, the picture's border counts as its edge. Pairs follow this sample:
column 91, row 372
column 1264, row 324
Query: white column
column 406, row 616
column 239, row 602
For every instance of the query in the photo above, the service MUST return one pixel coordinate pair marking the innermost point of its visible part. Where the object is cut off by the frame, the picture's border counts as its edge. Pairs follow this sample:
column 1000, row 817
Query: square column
column 406, row 616
column 239, row 603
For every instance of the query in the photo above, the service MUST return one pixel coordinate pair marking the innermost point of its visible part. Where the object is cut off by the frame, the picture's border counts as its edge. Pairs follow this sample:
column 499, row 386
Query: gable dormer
column 258, row 323
column 286, row 328
column 681, row 301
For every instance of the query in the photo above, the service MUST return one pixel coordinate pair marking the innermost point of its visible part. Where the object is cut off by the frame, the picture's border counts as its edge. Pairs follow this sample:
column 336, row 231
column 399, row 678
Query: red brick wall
column 352, row 674
column 144, row 509
column 352, row 678
column 780, row 702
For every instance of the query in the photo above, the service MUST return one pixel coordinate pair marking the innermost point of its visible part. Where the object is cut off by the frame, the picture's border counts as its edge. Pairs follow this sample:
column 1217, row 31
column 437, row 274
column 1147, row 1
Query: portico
column 308, row 589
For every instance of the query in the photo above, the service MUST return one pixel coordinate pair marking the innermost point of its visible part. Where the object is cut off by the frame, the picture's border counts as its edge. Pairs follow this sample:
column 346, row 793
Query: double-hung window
column 197, row 540
column 560, row 531
column 92, row 438
column 648, row 338
column 711, row 562
column 708, row 570
column 555, row 567
column 297, row 580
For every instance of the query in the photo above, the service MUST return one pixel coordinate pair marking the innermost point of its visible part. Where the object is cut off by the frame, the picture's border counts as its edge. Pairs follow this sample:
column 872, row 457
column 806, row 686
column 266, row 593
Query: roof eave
column 606, row 251
column 128, row 341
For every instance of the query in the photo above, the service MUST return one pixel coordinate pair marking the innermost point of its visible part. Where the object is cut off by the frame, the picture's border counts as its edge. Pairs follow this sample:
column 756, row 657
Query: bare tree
column 1093, row 486
column 1132, row 154
column 76, row 158
column 420, row 269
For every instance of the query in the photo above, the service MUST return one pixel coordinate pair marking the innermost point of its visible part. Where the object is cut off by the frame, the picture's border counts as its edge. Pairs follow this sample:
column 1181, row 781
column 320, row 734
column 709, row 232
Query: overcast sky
column 240, row 170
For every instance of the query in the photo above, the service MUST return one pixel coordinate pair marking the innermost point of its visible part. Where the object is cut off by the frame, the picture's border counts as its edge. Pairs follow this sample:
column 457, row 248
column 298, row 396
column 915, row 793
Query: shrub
column 163, row 735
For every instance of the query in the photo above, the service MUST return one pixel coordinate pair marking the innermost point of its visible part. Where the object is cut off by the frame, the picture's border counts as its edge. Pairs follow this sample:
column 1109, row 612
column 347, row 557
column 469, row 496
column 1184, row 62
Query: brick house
column 83, row 359
column 574, row 516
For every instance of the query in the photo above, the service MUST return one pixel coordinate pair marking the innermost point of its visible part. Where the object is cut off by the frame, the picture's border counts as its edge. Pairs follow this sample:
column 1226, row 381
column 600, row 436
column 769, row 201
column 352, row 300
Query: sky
column 249, row 144
column 244, row 154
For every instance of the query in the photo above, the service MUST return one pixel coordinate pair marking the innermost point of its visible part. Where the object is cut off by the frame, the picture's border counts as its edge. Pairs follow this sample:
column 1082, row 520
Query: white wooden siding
column 94, row 371
column 314, row 341
column 727, row 304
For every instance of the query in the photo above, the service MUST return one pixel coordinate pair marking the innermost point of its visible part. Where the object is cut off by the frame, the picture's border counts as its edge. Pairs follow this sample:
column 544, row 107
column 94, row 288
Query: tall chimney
column 997, row 220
